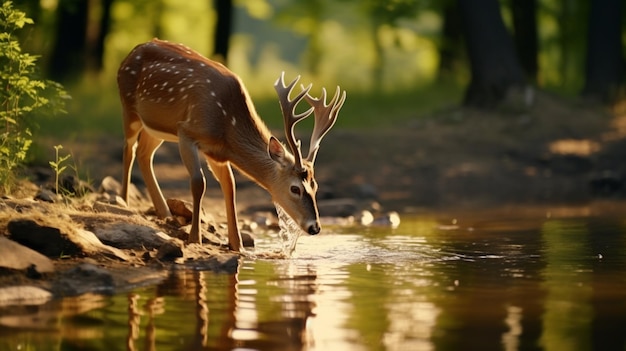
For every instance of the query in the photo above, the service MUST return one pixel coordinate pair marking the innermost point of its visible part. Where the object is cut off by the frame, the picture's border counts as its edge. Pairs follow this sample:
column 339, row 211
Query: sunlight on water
column 289, row 232
column 555, row 284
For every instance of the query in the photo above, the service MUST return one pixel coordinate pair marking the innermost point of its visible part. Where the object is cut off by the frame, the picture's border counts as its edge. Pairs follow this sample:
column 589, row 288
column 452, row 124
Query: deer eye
column 295, row 190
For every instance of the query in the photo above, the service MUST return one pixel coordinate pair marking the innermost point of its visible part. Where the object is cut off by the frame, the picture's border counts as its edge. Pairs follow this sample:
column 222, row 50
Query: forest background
column 401, row 61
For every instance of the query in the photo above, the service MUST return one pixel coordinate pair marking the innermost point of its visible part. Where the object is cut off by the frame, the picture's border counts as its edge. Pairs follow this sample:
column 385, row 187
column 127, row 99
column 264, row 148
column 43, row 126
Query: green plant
column 22, row 96
column 58, row 166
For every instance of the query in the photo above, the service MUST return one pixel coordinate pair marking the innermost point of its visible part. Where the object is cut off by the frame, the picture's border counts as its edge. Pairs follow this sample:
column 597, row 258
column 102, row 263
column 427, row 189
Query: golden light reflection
column 411, row 325
column 578, row 147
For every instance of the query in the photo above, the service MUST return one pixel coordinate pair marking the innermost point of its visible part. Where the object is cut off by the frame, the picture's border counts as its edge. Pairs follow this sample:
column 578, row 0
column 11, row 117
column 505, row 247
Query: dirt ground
column 556, row 152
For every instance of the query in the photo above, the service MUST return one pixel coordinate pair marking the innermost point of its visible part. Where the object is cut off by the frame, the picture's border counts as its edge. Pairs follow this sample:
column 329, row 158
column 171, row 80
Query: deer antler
column 290, row 117
column 325, row 117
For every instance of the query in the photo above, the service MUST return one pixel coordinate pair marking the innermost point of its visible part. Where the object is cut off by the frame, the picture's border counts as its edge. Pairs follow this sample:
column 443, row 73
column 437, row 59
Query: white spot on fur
column 233, row 121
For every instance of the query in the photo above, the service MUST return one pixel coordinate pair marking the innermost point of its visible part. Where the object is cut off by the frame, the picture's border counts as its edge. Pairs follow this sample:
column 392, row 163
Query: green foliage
column 22, row 95
column 58, row 166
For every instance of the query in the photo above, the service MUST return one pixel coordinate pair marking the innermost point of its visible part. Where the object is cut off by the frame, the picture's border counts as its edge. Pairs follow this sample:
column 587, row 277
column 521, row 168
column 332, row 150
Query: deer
column 169, row 92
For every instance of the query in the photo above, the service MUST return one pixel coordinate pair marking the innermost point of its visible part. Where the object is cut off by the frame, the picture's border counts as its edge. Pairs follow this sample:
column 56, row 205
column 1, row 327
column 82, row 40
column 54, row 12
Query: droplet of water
column 289, row 231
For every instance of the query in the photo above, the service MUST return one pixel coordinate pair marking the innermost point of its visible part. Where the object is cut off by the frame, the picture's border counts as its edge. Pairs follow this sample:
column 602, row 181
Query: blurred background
column 394, row 47
column 401, row 61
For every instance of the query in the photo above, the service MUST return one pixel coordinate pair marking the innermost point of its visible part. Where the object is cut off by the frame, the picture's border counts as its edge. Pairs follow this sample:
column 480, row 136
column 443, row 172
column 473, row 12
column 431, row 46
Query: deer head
column 300, row 176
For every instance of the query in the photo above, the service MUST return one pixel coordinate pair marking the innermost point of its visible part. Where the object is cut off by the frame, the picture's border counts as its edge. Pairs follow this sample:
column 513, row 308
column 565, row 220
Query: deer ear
column 276, row 151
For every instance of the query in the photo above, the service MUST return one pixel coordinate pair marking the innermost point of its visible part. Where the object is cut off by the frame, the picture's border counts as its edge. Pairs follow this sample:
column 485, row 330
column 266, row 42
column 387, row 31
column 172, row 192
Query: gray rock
column 130, row 236
column 111, row 186
column 19, row 257
column 170, row 251
column 337, row 207
column 55, row 242
column 84, row 278
column 23, row 295
column 118, row 208
column 47, row 196
column 184, row 209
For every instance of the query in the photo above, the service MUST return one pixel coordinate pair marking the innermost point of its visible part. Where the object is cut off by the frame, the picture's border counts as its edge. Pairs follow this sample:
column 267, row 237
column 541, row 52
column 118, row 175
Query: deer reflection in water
column 238, row 318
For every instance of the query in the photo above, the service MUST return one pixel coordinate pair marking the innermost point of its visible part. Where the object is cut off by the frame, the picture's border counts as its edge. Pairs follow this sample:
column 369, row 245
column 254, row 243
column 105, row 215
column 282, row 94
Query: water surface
column 438, row 282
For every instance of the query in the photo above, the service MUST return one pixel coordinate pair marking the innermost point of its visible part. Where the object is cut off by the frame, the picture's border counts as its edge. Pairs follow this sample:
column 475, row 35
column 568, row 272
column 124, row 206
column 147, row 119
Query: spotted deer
column 171, row 93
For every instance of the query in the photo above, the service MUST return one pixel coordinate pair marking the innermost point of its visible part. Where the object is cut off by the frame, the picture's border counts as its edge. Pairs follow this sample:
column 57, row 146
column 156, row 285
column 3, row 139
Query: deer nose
column 314, row 229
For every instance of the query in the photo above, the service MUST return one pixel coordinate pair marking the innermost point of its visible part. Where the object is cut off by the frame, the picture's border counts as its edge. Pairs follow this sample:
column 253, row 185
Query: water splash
column 289, row 232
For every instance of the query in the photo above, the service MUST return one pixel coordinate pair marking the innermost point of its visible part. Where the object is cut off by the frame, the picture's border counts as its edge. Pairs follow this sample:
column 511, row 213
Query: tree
column 494, row 66
column 68, row 55
column 451, row 44
column 96, row 44
column 604, row 71
column 525, row 26
column 223, row 28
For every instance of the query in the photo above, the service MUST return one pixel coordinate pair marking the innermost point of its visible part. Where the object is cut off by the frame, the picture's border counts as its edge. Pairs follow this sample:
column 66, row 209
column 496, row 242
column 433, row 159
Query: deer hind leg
column 190, row 156
column 224, row 175
column 146, row 147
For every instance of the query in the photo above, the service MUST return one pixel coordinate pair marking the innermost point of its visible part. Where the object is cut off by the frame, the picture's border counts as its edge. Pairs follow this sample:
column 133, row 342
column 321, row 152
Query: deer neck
column 250, row 156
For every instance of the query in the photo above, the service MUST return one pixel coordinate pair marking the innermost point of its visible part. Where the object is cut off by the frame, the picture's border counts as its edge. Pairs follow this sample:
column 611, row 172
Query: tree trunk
column 451, row 44
column 604, row 74
column 494, row 65
column 525, row 25
column 96, row 40
column 69, row 52
column 223, row 28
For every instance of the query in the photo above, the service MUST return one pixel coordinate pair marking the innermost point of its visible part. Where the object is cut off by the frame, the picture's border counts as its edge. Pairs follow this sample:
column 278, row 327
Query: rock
column 265, row 219
column 84, row 278
column 130, row 236
column 247, row 238
column 390, row 219
column 47, row 196
column 184, row 209
column 19, row 257
column 226, row 262
column 337, row 207
column 170, row 251
column 115, row 209
column 23, row 295
column 55, row 242
column 73, row 185
column 112, row 187
column 47, row 240
column 221, row 262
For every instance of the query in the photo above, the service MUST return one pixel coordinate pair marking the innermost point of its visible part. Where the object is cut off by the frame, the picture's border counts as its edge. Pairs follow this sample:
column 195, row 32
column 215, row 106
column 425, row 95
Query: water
column 489, row 281
column 289, row 231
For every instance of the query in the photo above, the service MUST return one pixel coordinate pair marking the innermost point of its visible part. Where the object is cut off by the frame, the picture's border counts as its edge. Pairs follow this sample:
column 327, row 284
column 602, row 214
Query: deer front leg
column 146, row 147
column 224, row 175
column 132, row 128
column 197, row 182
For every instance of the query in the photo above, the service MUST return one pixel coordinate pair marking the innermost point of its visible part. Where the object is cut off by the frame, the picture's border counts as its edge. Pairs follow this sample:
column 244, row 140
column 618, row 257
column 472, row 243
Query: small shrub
column 22, row 96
